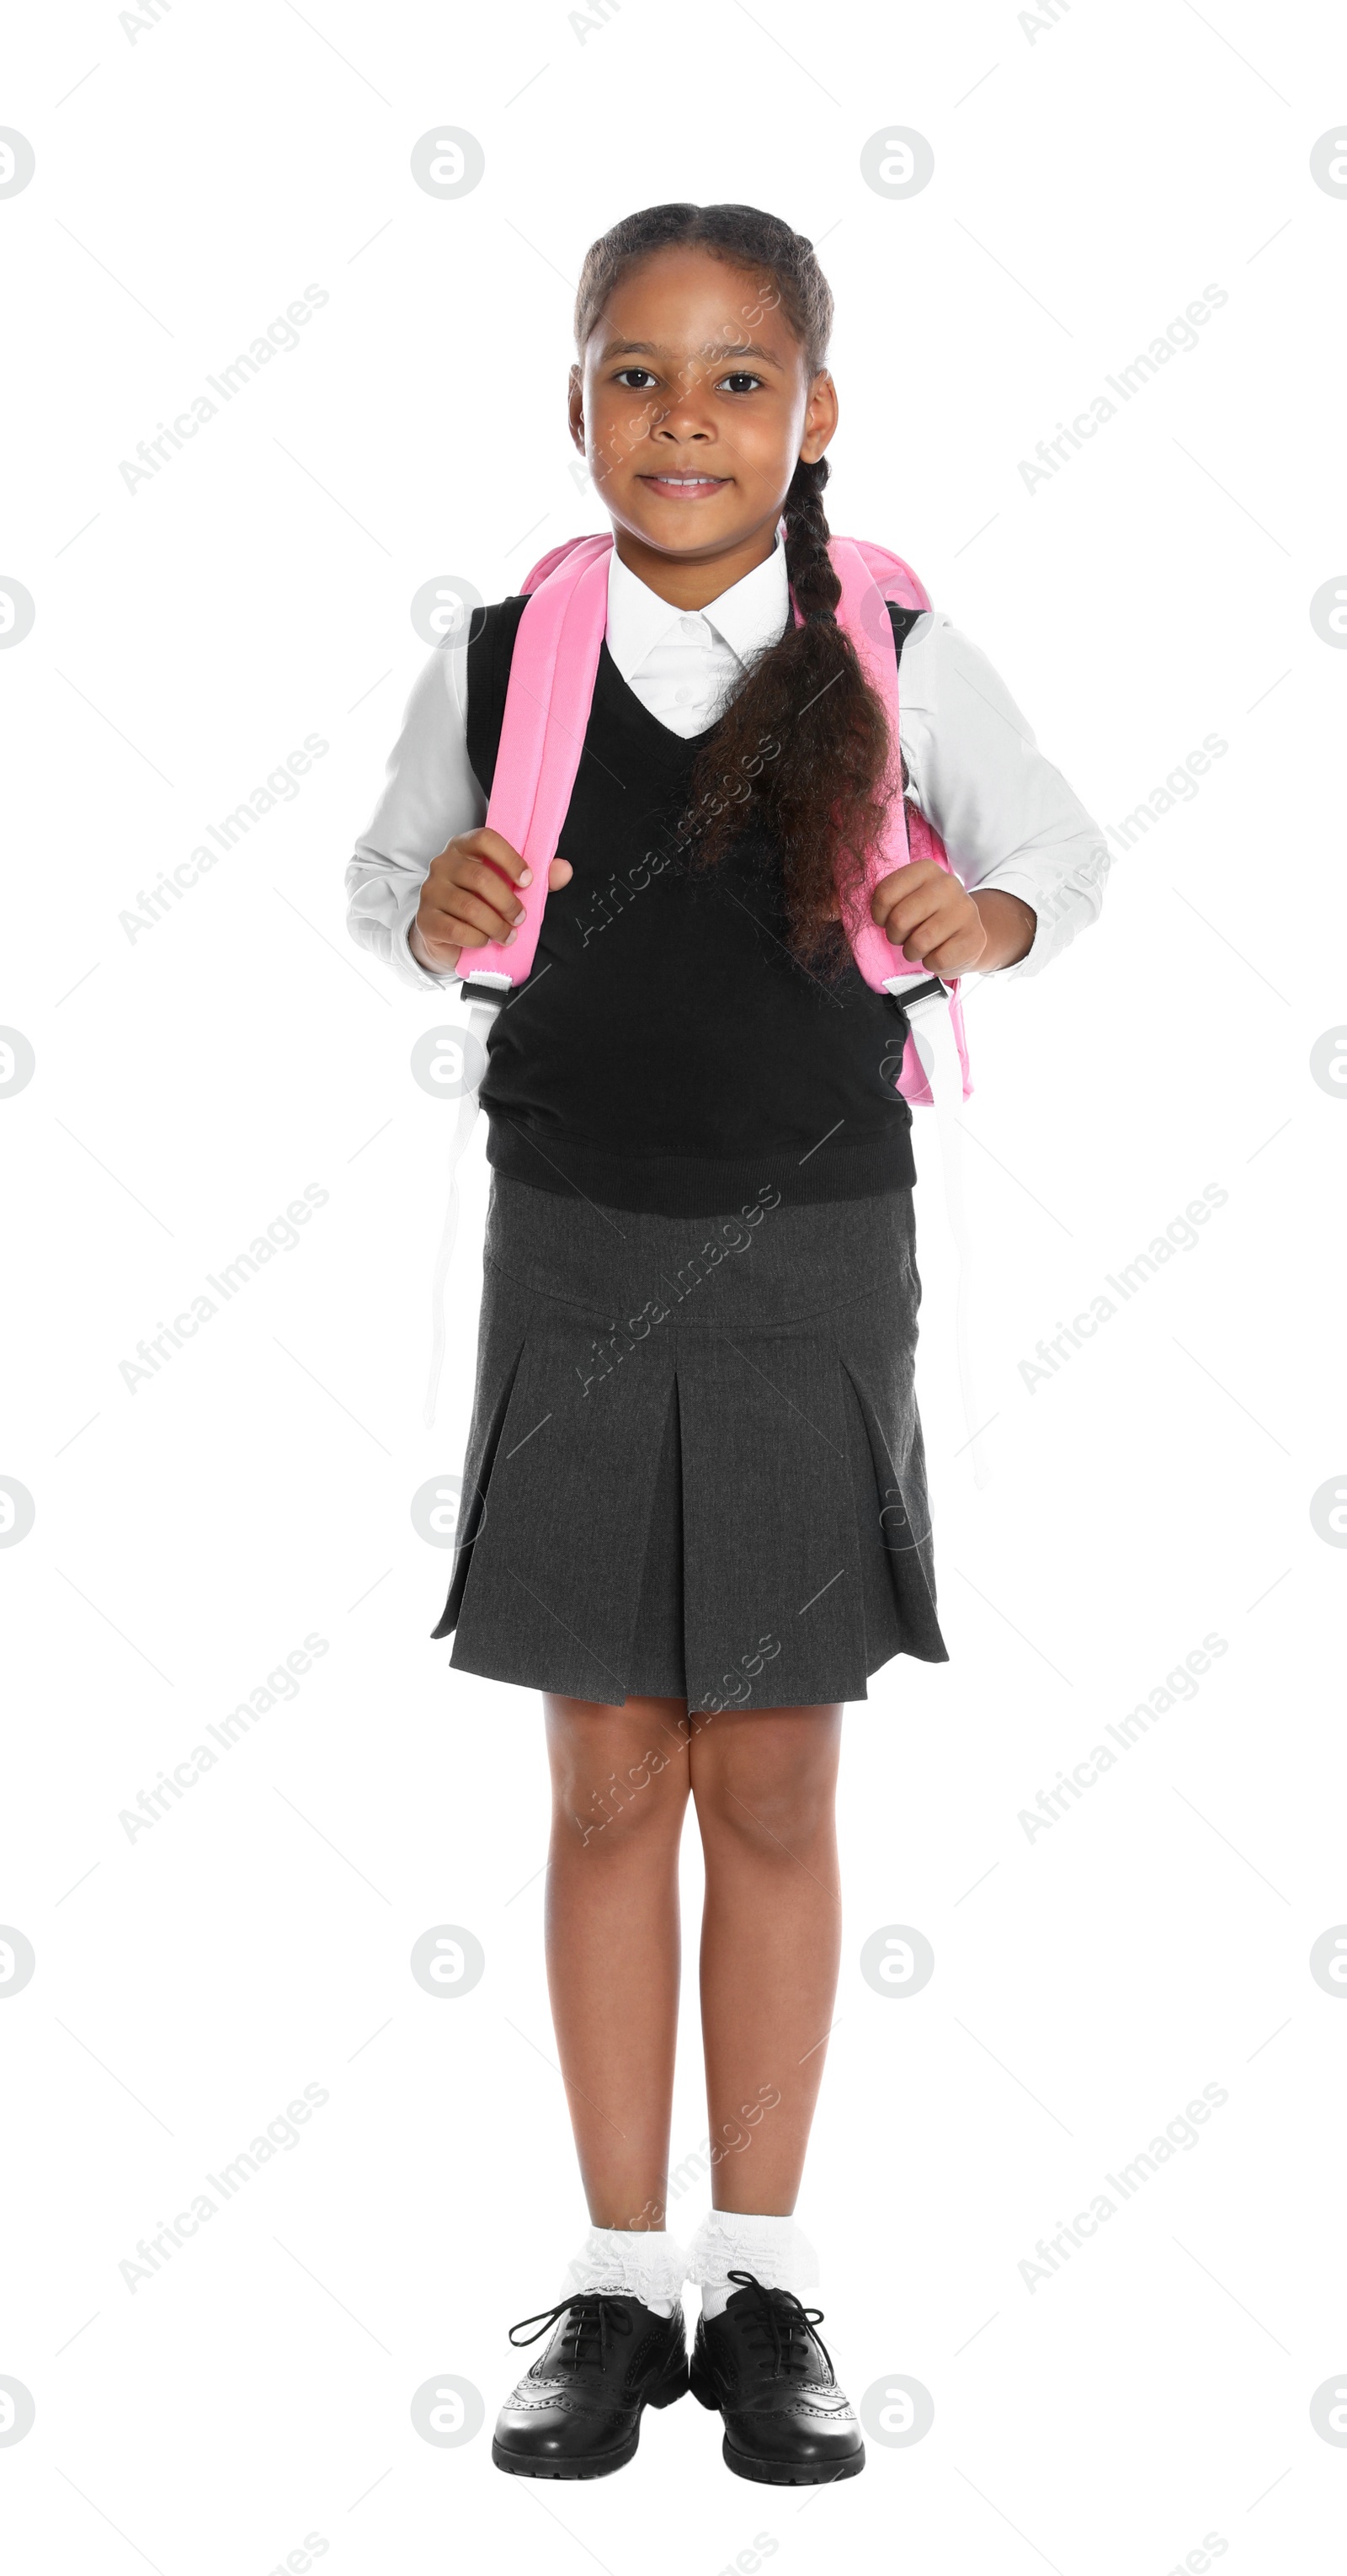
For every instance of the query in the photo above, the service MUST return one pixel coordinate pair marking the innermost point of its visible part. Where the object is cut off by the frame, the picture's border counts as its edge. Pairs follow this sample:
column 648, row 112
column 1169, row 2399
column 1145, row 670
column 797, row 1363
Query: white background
column 1092, row 175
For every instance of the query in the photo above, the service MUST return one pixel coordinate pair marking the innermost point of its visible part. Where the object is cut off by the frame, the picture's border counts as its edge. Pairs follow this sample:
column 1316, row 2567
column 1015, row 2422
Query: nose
column 687, row 417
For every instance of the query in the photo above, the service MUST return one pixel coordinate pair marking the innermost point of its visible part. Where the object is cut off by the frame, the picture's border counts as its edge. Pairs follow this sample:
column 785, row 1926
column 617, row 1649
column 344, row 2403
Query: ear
column 575, row 408
column 820, row 419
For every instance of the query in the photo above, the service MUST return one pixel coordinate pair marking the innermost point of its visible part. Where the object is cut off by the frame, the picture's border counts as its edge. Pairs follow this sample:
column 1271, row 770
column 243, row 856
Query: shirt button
column 692, row 628
column 682, row 697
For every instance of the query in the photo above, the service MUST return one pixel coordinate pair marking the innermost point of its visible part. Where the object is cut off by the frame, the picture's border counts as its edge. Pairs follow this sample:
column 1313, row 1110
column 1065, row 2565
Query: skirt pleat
column 695, row 1467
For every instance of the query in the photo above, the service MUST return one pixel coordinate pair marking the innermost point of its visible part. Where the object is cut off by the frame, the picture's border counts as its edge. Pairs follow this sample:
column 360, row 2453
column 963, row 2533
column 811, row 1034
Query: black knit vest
column 667, row 1052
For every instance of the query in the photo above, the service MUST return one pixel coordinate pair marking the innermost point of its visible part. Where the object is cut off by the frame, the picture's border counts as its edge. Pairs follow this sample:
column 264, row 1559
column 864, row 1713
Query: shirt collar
column 752, row 612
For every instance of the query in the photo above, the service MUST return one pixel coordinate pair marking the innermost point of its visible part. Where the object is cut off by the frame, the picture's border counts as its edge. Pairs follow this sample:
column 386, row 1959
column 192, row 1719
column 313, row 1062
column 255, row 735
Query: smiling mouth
column 687, row 486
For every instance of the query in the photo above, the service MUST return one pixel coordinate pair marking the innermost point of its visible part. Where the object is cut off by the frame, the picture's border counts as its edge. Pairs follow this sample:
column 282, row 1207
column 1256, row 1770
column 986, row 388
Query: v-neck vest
column 667, row 1052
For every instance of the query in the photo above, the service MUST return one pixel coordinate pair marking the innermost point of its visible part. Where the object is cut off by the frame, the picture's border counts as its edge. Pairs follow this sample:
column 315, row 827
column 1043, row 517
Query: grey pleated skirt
column 694, row 1468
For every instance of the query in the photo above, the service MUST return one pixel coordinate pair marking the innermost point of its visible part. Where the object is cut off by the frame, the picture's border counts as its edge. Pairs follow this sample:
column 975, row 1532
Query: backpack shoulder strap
column 551, row 562
column 490, row 653
column 865, row 573
column 891, row 575
column 878, row 591
column 552, row 673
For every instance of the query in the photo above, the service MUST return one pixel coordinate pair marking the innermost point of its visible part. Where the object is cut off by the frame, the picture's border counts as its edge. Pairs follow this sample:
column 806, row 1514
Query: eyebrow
column 717, row 349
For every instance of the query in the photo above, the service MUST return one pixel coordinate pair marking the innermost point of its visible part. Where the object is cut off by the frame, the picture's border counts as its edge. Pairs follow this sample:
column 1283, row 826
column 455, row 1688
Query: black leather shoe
column 787, row 2423
column 577, row 2412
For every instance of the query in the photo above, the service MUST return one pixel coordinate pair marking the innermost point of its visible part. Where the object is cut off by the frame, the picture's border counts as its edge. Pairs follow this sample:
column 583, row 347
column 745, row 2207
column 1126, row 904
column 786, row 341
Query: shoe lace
column 591, row 2317
column 781, row 2318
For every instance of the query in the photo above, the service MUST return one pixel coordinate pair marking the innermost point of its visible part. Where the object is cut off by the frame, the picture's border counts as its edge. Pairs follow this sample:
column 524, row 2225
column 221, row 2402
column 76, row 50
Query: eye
column 741, row 382
column 625, row 375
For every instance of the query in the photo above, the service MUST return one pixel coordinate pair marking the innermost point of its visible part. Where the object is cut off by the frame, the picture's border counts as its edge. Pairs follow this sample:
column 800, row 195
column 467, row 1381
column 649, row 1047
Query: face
column 693, row 407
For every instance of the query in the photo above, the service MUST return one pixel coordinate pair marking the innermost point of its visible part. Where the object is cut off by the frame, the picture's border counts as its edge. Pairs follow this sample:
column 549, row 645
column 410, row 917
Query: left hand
column 937, row 924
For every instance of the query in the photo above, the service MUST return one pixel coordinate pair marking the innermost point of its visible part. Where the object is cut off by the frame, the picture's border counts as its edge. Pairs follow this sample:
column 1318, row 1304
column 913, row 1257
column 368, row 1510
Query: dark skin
column 762, row 1782
column 694, row 372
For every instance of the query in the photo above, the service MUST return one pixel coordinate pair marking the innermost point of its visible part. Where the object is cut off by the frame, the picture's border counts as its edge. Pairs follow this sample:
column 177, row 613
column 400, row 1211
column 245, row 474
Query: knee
column 775, row 1797
column 612, row 1787
column 634, row 1799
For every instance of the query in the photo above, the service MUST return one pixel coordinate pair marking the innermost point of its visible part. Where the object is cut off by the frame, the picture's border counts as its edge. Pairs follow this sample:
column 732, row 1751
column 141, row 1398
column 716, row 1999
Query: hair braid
column 814, row 585
column 802, row 750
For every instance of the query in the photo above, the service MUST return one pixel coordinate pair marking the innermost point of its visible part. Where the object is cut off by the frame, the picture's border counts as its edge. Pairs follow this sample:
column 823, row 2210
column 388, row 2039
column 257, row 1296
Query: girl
column 695, row 1507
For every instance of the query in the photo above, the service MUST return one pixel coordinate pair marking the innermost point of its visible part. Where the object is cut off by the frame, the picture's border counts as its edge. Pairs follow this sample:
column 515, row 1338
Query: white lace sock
column 774, row 2249
column 645, row 2263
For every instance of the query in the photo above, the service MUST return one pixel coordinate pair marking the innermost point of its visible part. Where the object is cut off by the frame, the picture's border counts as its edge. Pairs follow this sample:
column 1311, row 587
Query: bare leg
column 764, row 1784
column 619, row 1794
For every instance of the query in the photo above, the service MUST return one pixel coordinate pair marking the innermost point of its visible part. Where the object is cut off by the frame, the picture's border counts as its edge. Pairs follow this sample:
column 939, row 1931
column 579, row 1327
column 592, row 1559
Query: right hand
column 469, row 897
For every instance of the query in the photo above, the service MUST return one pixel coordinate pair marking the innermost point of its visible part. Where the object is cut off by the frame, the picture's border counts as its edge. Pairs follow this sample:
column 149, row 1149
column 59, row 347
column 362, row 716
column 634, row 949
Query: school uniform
column 695, row 1463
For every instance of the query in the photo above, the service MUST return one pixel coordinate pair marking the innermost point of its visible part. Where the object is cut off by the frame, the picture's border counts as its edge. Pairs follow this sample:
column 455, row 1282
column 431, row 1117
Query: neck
column 693, row 581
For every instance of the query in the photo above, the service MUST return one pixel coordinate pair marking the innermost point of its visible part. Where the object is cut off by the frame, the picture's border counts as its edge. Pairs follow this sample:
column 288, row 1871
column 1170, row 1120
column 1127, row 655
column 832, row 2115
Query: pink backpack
column 556, row 657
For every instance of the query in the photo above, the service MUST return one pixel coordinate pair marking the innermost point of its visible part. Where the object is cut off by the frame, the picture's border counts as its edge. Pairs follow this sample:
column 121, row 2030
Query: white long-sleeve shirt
column 1006, row 816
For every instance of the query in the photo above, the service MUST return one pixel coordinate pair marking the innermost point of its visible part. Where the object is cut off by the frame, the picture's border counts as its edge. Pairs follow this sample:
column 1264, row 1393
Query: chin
column 678, row 525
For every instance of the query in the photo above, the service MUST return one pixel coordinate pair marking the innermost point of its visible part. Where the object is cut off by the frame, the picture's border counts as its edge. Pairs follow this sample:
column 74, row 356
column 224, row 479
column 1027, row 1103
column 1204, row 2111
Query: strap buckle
column 927, row 991
column 492, row 990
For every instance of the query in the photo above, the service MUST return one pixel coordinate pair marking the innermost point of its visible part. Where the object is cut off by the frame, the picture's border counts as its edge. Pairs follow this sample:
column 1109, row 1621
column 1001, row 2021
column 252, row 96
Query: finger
column 560, row 873
column 443, row 917
column 916, row 936
column 457, row 934
column 490, row 845
column 938, row 896
column 902, row 883
column 955, row 956
column 479, row 878
column 913, row 903
column 918, row 933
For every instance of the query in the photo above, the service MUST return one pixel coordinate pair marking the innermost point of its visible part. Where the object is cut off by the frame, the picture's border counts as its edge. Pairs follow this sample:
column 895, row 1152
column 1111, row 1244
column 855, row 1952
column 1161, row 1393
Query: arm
column 430, row 795
column 1030, row 860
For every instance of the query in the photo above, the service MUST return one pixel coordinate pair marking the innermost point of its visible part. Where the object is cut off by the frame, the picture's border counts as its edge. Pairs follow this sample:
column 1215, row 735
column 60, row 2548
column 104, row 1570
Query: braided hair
column 801, row 753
